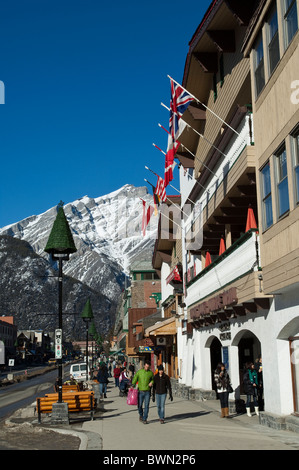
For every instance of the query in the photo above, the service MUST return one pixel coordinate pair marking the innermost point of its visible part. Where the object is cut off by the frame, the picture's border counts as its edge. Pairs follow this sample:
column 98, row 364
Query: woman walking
column 250, row 381
column 161, row 386
column 103, row 379
column 223, row 385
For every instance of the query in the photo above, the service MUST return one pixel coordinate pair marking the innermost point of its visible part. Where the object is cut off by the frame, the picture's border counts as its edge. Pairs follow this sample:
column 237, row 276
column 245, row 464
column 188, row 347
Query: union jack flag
column 179, row 102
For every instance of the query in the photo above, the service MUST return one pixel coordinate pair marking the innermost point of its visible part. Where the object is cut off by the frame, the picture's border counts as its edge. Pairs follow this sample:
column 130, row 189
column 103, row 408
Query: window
column 290, row 20
column 267, row 197
column 259, row 71
column 273, row 41
column 294, row 349
column 282, row 182
column 296, row 164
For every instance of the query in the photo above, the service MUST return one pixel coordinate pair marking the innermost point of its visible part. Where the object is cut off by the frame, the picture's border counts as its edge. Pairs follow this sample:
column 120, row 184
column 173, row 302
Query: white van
column 78, row 371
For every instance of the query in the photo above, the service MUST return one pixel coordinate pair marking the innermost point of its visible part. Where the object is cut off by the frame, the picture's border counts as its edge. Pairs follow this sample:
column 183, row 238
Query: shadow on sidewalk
column 181, row 416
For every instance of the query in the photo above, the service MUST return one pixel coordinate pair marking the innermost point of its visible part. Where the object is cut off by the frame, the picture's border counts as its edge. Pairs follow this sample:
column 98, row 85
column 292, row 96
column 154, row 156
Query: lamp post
column 60, row 245
column 87, row 316
column 93, row 333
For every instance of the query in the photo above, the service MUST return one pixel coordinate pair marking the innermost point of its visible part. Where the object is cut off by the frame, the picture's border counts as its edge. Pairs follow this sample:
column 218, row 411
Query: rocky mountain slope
column 29, row 292
column 108, row 238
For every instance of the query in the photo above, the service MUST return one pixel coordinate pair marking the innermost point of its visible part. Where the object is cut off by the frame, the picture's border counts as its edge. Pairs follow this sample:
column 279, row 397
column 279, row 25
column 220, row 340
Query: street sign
column 58, row 344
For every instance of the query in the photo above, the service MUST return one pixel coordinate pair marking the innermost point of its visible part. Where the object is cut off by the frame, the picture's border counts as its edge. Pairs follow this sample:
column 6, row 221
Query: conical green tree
column 87, row 313
column 61, row 238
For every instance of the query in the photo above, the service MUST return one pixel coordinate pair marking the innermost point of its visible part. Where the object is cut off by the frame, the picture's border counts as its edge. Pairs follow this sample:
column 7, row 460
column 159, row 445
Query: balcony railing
column 237, row 261
column 232, row 151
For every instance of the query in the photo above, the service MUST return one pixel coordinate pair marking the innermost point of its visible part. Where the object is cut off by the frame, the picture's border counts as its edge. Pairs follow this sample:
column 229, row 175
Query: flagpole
column 206, row 107
column 186, row 215
column 200, row 135
column 194, row 130
column 147, row 168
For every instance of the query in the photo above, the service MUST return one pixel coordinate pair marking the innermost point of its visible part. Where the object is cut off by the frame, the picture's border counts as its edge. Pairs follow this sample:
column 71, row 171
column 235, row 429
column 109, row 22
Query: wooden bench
column 68, row 388
column 77, row 401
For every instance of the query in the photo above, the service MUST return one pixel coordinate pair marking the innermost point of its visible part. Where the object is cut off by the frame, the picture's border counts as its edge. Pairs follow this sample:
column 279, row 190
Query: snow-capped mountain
column 107, row 234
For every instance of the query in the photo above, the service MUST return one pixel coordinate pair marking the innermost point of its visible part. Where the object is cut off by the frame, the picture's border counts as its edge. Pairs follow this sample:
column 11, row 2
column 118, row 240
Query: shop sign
column 145, row 349
column 225, row 299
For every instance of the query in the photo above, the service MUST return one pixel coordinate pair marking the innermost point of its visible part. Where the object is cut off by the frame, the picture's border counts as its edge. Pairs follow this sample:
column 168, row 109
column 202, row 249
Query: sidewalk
column 189, row 426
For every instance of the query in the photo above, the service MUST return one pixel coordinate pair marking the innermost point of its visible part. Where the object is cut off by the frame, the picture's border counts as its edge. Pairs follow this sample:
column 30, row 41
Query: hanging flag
column 172, row 148
column 146, row 215
column 179, row 102
column 160, row 189
column 251, row 222
column 170, row 163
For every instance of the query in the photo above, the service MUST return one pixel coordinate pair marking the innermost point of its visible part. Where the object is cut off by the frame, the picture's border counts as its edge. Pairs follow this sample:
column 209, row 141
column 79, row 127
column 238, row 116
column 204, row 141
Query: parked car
column 78, row 371
column 52, row 362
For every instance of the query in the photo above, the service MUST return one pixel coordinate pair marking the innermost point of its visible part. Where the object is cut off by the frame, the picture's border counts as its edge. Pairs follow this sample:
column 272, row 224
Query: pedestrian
column 116, row 374
column 250, row 381
column 103, row 379
column 145, row 378
column 260, row 391
column 223, row 386
column 131, row 369
column 109, row 369
column 161, row 387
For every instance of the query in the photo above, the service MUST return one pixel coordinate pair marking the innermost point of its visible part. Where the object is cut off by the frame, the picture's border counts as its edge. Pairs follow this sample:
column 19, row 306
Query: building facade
column 272, row 47
column 236, row 296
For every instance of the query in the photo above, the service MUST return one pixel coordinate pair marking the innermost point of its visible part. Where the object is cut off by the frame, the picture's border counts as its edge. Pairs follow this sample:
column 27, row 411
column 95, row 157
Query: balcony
column 219, row 290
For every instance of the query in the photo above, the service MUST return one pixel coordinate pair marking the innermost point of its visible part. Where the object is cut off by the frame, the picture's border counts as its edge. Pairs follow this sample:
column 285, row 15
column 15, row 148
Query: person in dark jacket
column 161, row 387
column 222, row 382
column 103, row 380
column 250, row 381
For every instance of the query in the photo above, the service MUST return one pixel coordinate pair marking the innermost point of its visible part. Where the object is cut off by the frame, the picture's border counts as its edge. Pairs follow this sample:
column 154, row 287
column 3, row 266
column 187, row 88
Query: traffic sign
column 58, row 344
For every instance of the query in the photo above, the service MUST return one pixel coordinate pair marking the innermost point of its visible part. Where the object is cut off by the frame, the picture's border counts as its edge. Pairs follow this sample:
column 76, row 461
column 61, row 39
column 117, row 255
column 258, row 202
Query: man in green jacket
column 145, row 379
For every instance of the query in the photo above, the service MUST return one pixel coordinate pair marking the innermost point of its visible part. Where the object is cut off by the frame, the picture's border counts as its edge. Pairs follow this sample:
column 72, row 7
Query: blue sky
column 84, row 80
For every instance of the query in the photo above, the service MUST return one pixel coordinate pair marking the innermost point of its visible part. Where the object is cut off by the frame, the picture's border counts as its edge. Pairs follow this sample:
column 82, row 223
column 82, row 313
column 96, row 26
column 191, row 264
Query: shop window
column 290, row 20
column 273, row 41
column 267, row 197
column 259, row 70
column 282, row 182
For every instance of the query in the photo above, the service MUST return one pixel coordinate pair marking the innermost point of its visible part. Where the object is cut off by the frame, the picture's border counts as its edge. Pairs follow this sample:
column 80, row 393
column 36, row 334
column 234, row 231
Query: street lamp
column 93, row 332
column 60, row 245
column 87, row 316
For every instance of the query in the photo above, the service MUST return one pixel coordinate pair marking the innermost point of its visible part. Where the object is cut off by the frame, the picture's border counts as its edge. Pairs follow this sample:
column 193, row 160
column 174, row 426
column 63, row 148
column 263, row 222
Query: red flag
column 169, row 162
column 146, row 215
column 160, row 189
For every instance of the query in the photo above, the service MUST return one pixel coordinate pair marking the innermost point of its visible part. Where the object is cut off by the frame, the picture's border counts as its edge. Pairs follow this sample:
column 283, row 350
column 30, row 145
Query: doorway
column 216, row 357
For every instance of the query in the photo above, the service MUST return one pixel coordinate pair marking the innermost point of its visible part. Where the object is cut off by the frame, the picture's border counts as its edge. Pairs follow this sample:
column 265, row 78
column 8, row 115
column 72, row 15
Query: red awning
column 208, row 259
column 222, row 247
column 251, row 222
